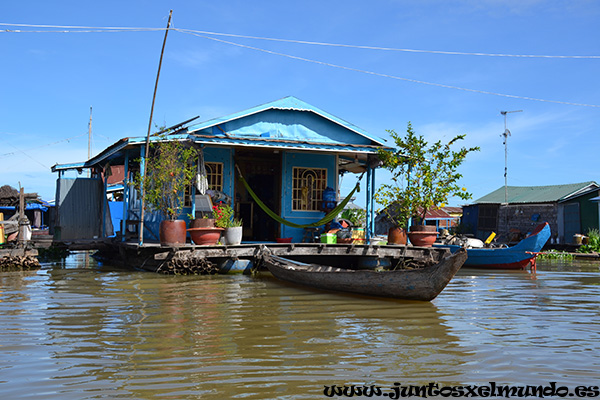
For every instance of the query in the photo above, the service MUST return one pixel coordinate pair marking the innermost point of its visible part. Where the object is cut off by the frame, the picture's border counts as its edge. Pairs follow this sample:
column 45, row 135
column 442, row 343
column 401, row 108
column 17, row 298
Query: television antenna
column 506, row 134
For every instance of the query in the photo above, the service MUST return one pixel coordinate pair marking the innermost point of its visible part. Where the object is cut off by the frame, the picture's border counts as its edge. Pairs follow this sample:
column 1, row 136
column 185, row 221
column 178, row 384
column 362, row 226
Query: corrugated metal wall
column 79, row 205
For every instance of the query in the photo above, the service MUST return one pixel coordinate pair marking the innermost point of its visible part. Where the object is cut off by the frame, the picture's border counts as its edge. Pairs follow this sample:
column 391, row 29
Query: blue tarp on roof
column 279, row 120
column 29, row 206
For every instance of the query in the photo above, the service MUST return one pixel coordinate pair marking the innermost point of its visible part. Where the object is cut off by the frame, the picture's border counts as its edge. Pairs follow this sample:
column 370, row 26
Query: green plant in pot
column 207, row 221
column 224, row 218
column 356, row 216
column 395, row 214
column 170, row 169
column 424, row 177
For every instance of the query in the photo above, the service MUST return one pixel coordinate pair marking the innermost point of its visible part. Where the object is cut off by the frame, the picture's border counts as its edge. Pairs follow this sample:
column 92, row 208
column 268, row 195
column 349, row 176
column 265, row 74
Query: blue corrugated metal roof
column 114, row 149
column 287, row 103
column 284, row 144
column 272, row 129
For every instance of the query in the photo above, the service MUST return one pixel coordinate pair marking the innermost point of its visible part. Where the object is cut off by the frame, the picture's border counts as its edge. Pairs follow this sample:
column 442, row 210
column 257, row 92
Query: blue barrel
column 329, row 194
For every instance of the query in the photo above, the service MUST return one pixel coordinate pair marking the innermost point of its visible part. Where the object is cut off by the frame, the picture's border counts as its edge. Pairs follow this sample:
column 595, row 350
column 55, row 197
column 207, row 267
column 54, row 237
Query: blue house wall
column 225, row 156
column 291, row 160
column 469, row 218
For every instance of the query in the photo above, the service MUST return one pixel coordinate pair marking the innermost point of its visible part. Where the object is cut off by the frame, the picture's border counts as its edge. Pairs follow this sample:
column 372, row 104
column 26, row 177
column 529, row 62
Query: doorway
column 262, row 170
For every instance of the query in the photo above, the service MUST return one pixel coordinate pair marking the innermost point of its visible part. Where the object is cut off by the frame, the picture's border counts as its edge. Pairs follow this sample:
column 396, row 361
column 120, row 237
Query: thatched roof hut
column 9, row 197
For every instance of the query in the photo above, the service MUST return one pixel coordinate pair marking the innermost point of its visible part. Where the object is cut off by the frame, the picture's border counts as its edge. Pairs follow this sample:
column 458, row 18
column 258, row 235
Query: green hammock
column 328, row 218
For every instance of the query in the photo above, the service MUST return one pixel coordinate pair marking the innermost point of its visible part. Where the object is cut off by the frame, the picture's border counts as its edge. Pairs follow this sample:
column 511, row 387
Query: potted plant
column 203, row 230
column 224, row 218
column 170, row 169
column 357, row 218
column 233, row 233
column 204, row 222
column 424, row 177
column 395, row 215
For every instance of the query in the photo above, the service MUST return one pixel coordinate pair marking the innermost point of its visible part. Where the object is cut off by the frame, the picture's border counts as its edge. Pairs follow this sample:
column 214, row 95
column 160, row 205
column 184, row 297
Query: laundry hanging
column 201, row 178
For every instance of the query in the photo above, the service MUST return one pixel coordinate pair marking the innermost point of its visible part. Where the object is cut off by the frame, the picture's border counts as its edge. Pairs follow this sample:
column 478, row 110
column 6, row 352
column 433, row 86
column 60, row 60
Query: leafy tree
column 170, row 170
column 424, row 176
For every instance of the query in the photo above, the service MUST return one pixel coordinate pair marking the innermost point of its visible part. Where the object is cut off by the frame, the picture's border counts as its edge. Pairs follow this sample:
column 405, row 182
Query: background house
column 39, row 212
column 568, row 209
column 442, row 218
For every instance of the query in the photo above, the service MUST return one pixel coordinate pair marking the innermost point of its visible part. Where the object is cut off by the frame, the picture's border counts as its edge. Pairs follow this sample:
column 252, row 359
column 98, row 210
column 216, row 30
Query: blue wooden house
column 288, row 151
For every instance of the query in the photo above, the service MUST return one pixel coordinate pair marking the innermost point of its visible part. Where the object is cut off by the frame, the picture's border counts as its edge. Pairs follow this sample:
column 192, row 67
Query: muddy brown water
column 79, row 330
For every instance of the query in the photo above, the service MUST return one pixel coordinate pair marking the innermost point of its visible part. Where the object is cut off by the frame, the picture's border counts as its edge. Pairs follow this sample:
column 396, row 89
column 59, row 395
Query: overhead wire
column 27, row 155
column 395, row 77
column 203, row 34
column 85, row 29
column 460, row 53
column 68, row 28
column 41, row 146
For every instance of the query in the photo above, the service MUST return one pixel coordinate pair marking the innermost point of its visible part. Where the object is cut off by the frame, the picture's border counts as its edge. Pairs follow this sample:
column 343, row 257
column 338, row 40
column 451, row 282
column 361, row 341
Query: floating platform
column 18, row 259
column 194, row 259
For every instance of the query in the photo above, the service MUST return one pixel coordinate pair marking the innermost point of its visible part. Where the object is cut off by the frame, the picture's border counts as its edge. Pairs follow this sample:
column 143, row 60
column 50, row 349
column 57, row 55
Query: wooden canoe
column 410, row 284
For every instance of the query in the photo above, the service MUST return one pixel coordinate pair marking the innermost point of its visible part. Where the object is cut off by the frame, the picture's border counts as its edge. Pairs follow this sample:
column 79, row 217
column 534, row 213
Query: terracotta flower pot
column 202, row 223
column 396, row 235
column 422, row 235
column 205, row 236
column 172, row 232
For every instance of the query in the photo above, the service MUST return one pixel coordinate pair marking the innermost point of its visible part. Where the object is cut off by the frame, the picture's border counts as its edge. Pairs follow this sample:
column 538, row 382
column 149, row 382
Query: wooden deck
column 241, row 258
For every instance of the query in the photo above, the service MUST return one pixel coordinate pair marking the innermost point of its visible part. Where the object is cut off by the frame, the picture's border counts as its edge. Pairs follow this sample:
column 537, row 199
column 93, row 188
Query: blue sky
column 50, row 80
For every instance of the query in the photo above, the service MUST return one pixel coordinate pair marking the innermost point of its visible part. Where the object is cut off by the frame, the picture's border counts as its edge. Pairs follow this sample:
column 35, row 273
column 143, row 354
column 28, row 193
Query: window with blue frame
column 307, row 188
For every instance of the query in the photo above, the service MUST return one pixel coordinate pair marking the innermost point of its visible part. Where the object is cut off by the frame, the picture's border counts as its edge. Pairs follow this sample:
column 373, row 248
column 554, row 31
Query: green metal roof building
column 569, row 208
column 538, row 194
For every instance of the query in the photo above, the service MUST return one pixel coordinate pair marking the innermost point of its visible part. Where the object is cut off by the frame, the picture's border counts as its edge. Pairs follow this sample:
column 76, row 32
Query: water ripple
column 81, row 331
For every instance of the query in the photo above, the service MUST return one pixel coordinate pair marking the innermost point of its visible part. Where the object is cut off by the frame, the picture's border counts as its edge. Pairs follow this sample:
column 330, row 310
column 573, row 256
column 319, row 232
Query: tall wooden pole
column 90, row 141
column 143, row 161
column 506, row 134
column 22, row 223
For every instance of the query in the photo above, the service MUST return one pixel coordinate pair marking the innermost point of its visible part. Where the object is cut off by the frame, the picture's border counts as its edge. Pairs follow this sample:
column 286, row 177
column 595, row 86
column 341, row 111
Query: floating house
column 37, row 211
column 443, row 218
column 289, row 152
column 569, row 209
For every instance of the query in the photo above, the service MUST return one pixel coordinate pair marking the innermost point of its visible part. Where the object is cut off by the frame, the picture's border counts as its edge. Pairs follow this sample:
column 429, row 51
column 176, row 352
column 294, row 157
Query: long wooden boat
column 411, row 284
column 518, row 256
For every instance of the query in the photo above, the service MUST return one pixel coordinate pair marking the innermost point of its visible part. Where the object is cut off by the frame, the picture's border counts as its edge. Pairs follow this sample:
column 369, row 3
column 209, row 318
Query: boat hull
column 411, row 284
column 518, row 256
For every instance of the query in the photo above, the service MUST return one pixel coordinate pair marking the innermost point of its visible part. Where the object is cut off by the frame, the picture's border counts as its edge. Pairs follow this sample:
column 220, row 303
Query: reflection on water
column 78, row 330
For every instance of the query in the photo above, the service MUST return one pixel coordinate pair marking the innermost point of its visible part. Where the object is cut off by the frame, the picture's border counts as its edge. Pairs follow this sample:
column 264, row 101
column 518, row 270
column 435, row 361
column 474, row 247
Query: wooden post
column 2, row 237
column 142, row 172
column 90, row 142
column 21, row 222
column 372, row 201
column 125, row 197
column 368, row 205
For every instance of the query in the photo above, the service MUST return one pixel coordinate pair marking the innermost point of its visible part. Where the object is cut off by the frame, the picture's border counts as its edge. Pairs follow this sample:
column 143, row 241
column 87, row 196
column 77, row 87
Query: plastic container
column 358, row 235
column 329, row 238
column 329, row 194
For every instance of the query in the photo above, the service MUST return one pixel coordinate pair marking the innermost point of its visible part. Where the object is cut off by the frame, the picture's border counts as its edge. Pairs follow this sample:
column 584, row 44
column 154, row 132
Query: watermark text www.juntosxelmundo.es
column 490, row 390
